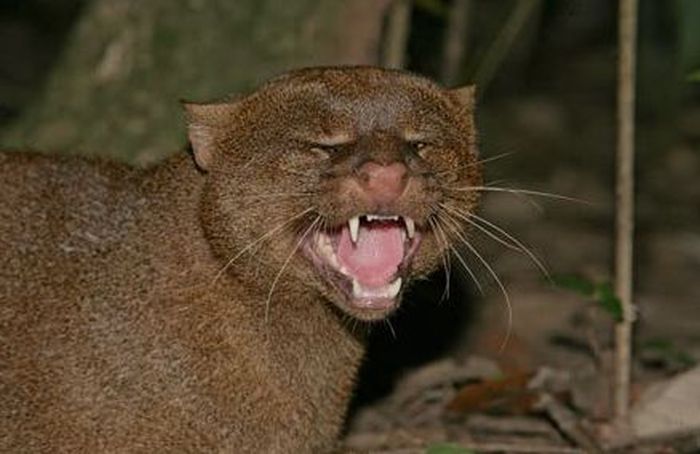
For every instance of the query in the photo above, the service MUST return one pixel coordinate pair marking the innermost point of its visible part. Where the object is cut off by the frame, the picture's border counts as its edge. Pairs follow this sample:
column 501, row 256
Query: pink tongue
column 376, row 256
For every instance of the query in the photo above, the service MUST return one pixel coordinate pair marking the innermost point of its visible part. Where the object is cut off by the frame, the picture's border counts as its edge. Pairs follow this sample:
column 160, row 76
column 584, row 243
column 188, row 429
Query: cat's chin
column 372, row 304
column 365, row 265
column 378, row 309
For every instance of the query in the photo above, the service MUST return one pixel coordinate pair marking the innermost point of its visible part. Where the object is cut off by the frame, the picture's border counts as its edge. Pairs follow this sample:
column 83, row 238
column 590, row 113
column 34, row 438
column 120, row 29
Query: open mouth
column 367, row 260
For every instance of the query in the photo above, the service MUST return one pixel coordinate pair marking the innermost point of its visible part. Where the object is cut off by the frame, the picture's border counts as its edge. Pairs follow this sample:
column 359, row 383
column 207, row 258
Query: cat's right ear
column 465, row 97
column 205, row 123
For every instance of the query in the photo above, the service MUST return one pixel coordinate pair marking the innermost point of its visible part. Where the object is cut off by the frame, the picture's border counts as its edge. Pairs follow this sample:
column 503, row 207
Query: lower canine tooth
column 356, row 289
column 394, row 288
column 354, row 226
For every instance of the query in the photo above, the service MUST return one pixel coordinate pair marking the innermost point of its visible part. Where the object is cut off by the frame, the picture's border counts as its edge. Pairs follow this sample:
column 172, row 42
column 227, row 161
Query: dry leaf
column 507, row 395
column 670, row 407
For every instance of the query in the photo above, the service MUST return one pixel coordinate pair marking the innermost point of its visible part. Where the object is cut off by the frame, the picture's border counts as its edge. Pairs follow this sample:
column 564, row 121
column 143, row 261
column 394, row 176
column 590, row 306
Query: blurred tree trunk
column 115, row 89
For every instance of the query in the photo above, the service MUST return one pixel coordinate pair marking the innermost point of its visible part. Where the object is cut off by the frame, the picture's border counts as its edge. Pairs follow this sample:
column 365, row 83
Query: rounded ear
column 205, row 122
column 465, row 96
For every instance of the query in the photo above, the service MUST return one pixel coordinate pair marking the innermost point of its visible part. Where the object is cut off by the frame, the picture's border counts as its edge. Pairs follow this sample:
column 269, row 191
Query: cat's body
column 181, row 310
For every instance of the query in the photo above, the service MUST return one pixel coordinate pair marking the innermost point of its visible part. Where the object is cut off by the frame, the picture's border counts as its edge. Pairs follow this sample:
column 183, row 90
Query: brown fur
column 119, row 331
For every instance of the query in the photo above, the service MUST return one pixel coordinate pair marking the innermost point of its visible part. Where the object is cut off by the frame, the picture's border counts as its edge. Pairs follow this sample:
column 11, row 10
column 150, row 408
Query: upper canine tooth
column 354, row 225
column 410, row 227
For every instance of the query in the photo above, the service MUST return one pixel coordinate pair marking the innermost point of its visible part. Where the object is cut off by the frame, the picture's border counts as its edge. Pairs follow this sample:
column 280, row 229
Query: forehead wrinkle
column 371, row 112
column 358, row 105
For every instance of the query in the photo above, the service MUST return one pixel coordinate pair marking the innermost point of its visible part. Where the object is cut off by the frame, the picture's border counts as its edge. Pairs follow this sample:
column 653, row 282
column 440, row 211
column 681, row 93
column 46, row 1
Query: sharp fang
column 394, row 288
column 354, row 225
column 410, row 227
column 356, row 289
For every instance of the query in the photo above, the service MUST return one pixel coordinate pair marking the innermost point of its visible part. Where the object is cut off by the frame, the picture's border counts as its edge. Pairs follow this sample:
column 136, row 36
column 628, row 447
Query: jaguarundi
column 219, row 304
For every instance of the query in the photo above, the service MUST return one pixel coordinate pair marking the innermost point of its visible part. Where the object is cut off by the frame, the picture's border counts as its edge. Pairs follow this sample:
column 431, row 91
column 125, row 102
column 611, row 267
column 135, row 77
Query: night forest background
column 106, row 76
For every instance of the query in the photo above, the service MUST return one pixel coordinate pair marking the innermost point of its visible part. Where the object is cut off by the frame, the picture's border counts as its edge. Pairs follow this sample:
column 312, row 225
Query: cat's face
column 337, row 177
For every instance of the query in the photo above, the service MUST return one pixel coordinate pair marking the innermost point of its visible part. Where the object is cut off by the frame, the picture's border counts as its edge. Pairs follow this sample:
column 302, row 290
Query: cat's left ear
column 205, row 124
column 465, row 97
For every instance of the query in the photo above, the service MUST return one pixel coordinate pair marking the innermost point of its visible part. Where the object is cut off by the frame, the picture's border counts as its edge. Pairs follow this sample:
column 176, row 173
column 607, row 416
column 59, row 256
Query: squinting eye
column 323, row 150
column 419, row 147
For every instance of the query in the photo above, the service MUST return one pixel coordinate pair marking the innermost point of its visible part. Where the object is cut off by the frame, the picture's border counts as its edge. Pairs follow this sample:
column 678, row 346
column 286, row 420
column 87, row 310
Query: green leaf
column 670, row 351
column 577, row 284
column 694, row 76
column 658, row 345
column 686, row 359
column 601, row 293
column 447, row 448
column 606, row 299
column 434, row 7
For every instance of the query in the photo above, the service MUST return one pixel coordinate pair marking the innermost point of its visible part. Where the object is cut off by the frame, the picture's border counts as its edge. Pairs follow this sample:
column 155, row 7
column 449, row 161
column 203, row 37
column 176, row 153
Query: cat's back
column 32, row 183
column 73, row 269
column 60, row 217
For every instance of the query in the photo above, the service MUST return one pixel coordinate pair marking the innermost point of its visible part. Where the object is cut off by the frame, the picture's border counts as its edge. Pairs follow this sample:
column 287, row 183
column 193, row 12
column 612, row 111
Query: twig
column 689, row 438
column 568, row 423
column 516, row 448
column 455, row 41
column 624, row 219
column 495, row 55
column 398, row 28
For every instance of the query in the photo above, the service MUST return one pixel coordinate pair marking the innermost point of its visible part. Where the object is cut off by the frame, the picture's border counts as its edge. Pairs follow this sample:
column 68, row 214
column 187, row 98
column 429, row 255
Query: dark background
column 547, row 103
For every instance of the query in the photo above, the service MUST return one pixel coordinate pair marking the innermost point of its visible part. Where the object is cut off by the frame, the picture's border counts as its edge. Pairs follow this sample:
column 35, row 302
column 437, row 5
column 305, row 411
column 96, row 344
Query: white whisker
column 258, row 240
column 516, row 191
column 284, row 265
column 282, row 195
column 515, row 244
column 476, row 163
column 481, row 228
column 493, row 274
column 391, row 328
column 466, row 268
column 444, row 255
column 516, row 241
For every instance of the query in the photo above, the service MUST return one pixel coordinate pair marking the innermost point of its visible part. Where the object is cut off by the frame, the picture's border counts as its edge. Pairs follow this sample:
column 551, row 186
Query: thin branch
column 568, row 423
column 677, row 439
column 519, row 448
column 397, row 31
column 624, row 219
column 503, row 43
column 455, row 41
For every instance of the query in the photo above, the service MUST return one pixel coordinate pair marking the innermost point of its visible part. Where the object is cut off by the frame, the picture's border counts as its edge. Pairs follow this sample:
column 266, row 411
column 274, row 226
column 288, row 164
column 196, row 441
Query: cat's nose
column 383, row 183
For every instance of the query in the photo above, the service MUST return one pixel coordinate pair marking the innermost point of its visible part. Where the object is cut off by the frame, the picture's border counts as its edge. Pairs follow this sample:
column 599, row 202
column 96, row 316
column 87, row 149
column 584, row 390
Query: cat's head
column 338, row 179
